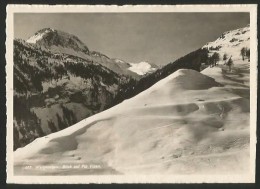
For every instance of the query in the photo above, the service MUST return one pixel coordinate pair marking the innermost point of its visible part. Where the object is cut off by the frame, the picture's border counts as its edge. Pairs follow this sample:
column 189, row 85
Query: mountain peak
column 39, row 35
column 57, row 40
column 47, row 29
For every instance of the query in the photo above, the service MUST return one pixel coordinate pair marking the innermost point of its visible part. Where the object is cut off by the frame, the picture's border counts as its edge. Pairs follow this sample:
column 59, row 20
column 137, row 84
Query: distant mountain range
column 58, row 81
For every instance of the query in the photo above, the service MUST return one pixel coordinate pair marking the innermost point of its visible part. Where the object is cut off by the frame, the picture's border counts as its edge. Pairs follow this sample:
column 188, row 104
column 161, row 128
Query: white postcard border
column 249, row 178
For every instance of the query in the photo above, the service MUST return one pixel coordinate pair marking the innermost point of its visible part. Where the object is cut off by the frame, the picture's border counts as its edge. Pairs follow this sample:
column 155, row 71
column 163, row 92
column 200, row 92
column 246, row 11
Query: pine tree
column 230, row 63
column 243, row 53
column 215, row 58
column 225, row 57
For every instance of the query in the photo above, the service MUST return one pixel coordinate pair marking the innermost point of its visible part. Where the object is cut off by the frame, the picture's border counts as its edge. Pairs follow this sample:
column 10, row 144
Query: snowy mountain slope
column 39, row 35
column 230, row 43
column 187, row 123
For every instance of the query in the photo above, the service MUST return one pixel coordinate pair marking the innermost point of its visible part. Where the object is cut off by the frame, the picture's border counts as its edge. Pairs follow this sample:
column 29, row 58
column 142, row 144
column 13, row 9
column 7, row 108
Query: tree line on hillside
column 91, row 71
column 31, row 71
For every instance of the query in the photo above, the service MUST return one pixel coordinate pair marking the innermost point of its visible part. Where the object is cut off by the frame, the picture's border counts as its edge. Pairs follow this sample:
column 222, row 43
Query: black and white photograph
column 158, row 94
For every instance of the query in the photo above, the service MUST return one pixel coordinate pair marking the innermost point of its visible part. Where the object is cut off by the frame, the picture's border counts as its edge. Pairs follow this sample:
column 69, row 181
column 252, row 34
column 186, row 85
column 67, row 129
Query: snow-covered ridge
column 39, row 35
column 141, row 68
column 230, row 38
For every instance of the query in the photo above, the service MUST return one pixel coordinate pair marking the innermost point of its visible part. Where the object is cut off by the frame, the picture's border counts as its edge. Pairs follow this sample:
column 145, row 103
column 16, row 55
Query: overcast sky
column 158, row 38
